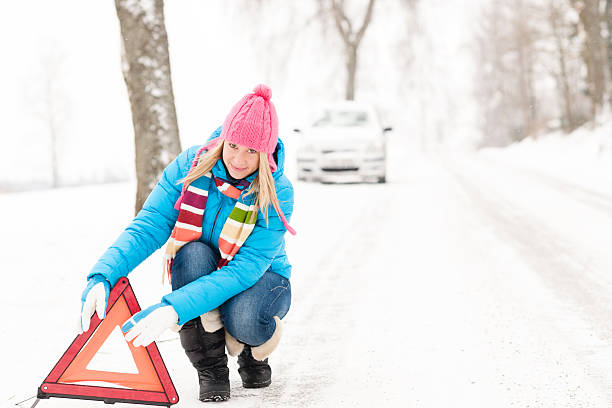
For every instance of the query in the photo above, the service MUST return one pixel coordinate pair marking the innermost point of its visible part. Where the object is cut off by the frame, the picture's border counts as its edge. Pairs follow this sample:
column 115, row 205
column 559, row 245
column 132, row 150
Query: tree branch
column 366, row 22
column 340, row 17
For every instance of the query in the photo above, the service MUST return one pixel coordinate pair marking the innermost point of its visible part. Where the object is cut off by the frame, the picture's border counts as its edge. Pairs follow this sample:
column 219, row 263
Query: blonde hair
column 262, row 187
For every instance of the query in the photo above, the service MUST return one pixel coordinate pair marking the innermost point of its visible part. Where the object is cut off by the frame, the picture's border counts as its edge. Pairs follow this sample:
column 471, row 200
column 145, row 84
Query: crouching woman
column 223, row 210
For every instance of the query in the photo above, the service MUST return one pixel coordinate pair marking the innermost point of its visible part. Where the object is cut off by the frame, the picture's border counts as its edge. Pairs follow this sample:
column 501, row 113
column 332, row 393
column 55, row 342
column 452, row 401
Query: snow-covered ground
column 476, row 280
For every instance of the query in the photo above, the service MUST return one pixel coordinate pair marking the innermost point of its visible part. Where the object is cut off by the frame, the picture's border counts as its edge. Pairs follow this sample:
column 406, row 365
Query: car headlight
column 307, row 148
column 375, row 148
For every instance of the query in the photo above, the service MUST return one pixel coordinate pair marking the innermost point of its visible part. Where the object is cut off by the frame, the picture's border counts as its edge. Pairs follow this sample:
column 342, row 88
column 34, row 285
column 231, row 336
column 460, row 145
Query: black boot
column 206, row 351
column 254, row 373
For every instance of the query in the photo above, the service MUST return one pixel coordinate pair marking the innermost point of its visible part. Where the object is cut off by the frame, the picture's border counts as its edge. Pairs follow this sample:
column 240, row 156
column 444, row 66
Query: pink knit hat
column 253, row 123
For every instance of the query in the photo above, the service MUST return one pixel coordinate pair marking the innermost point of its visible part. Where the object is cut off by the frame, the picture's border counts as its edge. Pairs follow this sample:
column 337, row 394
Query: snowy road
column 463, row 282
column 559, row 232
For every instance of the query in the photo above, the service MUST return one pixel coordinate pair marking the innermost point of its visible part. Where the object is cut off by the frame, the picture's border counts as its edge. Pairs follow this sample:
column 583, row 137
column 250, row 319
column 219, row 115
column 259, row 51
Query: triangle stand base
column 79, row 393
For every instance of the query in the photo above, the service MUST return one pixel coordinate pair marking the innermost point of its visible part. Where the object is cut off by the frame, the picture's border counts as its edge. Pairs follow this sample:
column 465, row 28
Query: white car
column 345, row 143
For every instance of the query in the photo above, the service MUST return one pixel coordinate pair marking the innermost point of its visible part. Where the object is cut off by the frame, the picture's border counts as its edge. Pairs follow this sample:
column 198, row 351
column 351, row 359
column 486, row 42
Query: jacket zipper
column 214, row 223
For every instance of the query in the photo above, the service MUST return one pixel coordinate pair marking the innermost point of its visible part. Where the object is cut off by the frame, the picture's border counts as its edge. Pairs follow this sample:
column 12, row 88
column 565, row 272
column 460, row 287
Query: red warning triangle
column 71, row 377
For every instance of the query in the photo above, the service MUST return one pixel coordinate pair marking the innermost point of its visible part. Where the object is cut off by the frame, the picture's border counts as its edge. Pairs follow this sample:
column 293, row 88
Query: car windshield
column 342, row 118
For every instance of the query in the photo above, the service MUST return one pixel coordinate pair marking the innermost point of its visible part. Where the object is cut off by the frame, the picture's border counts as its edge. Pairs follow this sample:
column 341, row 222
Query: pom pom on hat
column 263, row 91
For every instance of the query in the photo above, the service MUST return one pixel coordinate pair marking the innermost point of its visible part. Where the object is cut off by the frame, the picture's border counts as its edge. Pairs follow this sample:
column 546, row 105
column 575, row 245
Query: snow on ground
column 467, row 280
column 583, row 157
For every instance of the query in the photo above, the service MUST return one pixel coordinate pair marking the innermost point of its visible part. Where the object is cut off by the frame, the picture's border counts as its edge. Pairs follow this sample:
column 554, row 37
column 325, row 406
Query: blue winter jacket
column 264, row 249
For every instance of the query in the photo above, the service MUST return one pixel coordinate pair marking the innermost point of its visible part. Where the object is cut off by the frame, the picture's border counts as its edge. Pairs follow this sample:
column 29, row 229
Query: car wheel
column 382, row 180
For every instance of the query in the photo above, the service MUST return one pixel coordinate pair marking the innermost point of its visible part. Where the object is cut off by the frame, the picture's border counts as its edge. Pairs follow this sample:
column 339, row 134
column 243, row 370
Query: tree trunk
column 524, row 49
column 608, row 19
column 351, row 40
column 51, row 105
column 146, row 71
column 567, row 116
column 51, row 118
column 54, row 164
column 526, row 92
column 568, row 121
column 351, row 67
column 595, row 52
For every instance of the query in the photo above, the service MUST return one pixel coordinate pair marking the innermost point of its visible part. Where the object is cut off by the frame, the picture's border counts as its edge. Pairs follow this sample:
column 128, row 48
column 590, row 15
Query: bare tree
column 506, row 52
column 559, row 32
column 413, row 29
column 146, row 71
column 608, row 19
column 276, row 43
column 352, row 39
column 492, row 76
column 594, row 52
column 47, row 98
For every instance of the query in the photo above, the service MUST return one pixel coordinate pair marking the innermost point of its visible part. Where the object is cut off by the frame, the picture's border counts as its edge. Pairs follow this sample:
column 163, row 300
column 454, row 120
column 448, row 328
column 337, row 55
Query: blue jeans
column 248, row 315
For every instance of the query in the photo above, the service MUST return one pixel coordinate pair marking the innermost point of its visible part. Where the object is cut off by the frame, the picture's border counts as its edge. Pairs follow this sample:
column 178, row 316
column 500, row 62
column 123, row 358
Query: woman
column 225, row 255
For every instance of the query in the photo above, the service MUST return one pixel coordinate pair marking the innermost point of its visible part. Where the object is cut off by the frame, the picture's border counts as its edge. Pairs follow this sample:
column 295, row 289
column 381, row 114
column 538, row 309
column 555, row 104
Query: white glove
column 94, row 298
column 147, row 325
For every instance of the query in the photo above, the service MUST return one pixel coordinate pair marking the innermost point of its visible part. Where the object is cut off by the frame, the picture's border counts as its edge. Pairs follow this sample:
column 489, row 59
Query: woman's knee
column 249, row 316
column 194, row 260
column 248, row 327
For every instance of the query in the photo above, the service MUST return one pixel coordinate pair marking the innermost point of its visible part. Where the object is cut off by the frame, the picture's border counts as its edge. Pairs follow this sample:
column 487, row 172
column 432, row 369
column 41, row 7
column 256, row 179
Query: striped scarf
column 188, row 226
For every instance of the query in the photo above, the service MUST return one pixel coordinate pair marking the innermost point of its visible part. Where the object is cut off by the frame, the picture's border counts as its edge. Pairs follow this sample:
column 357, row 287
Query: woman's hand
column 94, row 298
column 147, row 325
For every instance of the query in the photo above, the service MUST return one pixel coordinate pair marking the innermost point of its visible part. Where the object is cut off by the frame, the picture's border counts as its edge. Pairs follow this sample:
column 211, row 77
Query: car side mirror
column 387, row 129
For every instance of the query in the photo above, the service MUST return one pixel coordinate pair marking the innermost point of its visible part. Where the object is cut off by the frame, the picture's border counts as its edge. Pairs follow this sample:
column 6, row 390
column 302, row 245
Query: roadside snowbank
column 582, row 157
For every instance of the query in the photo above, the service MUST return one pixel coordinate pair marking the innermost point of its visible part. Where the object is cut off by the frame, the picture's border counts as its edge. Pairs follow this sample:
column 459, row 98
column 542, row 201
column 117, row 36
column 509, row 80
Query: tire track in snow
column 566, row 272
